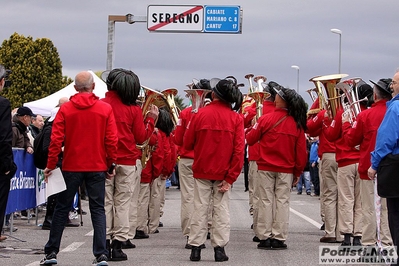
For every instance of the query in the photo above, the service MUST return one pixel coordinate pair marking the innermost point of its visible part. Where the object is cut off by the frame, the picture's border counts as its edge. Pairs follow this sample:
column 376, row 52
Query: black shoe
column 127, row 244
column 278, row 244
column 356, row 241
column 49, row 259
column 141, row 235
column 299, row 193
column 308, row 193
column 256, row 239
column 220, row 254
column 195, row 254
column 156, row 231
column 160, row 224
column 323, row 226
column 117, row 254
column 265, row 244
column 208, row 236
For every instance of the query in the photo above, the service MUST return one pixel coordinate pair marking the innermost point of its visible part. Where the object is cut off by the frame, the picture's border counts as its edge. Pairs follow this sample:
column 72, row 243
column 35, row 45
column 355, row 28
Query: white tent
column 45, row 105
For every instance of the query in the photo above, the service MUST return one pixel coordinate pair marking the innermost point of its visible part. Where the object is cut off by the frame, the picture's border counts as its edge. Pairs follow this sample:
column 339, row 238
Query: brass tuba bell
column 329, row 98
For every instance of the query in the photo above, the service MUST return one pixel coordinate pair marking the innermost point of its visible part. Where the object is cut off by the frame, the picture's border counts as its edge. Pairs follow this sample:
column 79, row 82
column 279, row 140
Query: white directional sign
column 207, row 19
column 175, row 18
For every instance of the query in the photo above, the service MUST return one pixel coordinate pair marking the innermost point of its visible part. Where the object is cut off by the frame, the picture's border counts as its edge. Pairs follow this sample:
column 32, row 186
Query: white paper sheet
column 55, row 183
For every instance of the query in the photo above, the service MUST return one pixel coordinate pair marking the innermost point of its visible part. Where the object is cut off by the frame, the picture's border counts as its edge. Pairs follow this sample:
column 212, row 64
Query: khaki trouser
column 252, row 177
column 369, row 235
column 329, row 192
column 135, row 187
column 143, row 203
column 349, row 200
column 274, row 191
column 118, row 193
column 155, row 204
column 204, row 191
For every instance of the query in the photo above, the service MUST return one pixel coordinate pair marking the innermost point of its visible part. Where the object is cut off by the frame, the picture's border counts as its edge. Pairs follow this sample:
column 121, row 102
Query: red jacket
column 88, row 129
column 253, row 150
column 131, row 129
column 316, row 127
column 364, row 132
column 216, row 133
column 154, row 165
column 282, row 147
column 184, row 119
column 345, row 154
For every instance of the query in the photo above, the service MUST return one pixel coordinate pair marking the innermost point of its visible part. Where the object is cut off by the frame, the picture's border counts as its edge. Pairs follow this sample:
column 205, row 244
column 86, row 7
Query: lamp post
column 339, row 32
column 297, row 78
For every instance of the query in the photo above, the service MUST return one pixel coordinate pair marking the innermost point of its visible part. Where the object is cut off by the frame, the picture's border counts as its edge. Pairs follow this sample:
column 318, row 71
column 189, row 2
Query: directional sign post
column 222, row 19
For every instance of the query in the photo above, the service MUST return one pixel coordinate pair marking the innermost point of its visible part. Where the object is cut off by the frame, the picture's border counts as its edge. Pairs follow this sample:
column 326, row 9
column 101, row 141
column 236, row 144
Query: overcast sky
column 275, row 35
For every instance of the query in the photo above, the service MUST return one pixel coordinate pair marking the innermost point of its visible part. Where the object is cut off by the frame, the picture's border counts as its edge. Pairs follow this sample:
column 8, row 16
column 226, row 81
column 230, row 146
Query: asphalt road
column 25, row 246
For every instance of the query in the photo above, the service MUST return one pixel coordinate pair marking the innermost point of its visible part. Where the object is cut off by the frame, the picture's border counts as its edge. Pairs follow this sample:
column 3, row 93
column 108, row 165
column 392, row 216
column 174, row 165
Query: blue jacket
column 313, row 157
column 388, row 134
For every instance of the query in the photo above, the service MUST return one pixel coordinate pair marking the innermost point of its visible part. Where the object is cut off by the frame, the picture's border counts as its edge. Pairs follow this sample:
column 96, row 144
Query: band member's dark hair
column 165, row 122
column 296, row 107
column 229, row 91
column 125, row 83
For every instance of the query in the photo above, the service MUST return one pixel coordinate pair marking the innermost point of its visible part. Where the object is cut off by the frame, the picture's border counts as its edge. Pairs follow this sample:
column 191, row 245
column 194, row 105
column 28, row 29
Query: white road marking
column 72, row 247
column 91, row 233
column 318, row 225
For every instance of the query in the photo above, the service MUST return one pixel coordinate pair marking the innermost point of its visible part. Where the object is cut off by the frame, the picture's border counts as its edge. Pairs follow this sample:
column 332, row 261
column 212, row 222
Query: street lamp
column 297, row 78
column 339, row 32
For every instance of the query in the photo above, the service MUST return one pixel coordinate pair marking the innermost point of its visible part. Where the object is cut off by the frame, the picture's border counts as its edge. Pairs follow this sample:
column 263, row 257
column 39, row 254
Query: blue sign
column 23, row 185
column 222, row 19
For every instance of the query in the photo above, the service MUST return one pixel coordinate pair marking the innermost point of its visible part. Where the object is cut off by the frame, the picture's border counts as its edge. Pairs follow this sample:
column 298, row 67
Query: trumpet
column 249, row 77
column 259, row 80
column 259, row 96
column 248, row 101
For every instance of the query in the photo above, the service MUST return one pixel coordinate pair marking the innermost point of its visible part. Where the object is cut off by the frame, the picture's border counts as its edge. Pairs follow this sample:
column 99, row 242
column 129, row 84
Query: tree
column 179, row 101
column 36, row 68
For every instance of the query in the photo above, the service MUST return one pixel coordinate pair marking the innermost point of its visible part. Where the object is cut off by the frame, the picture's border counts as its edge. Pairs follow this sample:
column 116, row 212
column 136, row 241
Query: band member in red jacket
column 216, row 134
column 185, row 165
column 165, row 127
column 363, row 133
column 253, row 150
column 281, row 132
column 122, row 191
column 328, row 177
column 348, row 180
column 151, row 171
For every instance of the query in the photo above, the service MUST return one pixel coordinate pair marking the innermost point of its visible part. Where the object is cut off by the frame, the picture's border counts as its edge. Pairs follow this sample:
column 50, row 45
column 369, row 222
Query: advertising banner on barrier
column 23, row 185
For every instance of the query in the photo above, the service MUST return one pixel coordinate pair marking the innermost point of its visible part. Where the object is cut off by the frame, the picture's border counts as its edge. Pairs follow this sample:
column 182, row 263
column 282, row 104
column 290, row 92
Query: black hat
column 364, row 90
column 221, row 88
column 383, row 85
column 25, row 111
column 202, row 84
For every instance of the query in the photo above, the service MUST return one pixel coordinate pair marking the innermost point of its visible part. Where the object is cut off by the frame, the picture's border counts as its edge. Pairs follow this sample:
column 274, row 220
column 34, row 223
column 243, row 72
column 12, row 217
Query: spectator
column 7, row 165
column 88, row 130
column 314, row 165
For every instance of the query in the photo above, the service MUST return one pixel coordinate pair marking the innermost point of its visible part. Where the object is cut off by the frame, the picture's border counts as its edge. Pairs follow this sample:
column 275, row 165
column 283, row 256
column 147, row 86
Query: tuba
column 197, row 97
column 329, row 98
column 169, row 95
column 259, row 95
column 150, row 97
column 350, row 99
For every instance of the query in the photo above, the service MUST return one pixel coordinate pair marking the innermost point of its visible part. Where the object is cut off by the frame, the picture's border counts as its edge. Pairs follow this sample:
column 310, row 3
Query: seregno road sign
column 194, row 18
